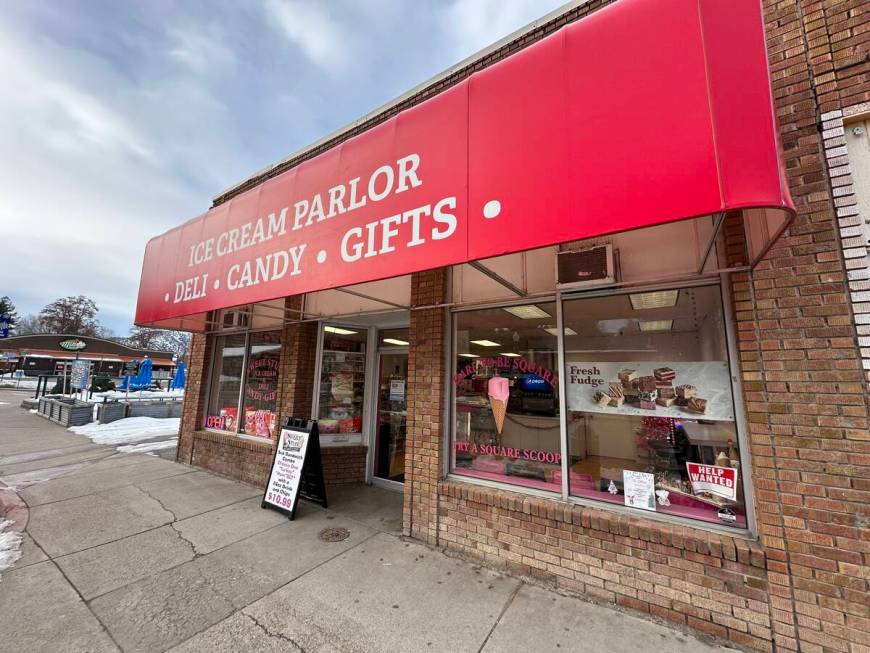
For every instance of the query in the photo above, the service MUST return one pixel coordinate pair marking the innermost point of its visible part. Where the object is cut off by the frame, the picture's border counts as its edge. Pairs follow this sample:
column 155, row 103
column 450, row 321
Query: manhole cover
column 334, row 534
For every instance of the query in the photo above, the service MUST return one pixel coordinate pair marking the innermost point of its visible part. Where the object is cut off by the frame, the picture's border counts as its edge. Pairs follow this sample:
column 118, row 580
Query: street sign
column 5, row 325
column 130, row 366
column 79, row 374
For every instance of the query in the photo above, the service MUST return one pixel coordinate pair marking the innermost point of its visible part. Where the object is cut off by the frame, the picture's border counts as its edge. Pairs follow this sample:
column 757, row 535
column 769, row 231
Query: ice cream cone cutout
column 498, row 391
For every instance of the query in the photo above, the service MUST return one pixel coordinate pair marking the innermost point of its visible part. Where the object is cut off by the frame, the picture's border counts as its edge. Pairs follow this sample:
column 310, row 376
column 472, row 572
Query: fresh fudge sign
column 719, row 481
column 694, row 390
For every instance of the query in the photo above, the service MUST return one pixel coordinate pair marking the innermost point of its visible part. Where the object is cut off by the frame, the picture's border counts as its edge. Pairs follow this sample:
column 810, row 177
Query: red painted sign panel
column 643, row 113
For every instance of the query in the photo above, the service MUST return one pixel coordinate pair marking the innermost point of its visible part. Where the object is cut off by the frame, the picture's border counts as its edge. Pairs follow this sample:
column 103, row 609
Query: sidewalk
column 136, row 553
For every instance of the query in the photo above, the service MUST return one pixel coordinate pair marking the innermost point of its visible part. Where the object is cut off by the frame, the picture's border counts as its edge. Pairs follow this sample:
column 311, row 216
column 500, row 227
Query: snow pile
column 129, row 430
column 149, row 447
column 10, row 381
column 9, row 546
column 139, row 394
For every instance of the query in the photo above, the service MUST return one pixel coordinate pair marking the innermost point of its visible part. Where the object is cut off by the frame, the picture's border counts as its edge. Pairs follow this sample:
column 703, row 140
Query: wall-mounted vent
column 586, row 267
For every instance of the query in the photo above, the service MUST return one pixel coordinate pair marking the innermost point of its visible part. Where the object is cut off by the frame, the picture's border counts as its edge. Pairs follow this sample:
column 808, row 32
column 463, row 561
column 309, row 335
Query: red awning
column 641, row 114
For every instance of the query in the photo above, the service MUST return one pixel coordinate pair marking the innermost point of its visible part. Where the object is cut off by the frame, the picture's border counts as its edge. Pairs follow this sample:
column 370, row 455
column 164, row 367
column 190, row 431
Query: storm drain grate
column 334, row 534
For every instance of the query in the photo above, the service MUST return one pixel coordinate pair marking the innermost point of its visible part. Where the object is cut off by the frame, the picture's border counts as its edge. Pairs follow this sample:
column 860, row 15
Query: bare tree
column 158, row 339
column 75, row 315
column 29, row 324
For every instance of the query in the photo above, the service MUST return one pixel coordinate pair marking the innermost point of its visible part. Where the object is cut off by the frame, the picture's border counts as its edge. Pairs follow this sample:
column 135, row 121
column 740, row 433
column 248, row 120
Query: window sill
column 707, row 539
column 240, row 440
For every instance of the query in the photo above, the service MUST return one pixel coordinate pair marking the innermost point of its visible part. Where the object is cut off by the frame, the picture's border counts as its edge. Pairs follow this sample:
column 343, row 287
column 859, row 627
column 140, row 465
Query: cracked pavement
column 130, row 552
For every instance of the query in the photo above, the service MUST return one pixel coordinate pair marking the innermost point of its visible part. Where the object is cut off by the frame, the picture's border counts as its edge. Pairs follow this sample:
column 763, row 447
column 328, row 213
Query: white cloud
column 310, row 27
column 120, row 121
column 471, row 25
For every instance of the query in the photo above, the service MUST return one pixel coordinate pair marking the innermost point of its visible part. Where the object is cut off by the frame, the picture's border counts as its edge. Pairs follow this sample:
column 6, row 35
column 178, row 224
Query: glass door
column 392, row 414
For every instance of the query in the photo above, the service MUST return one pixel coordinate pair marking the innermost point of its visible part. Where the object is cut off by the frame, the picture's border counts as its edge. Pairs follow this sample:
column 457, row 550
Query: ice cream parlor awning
column 641, row 114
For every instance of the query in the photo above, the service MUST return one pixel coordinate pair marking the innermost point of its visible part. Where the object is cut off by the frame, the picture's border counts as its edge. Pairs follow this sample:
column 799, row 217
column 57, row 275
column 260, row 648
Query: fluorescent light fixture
column 509, row 354
column 655, row 299
column 527, row 312
column 655, row 325
column 469, row 355
column 338, row 330
column 553, row 331
column 396, row 341
column 486, row 343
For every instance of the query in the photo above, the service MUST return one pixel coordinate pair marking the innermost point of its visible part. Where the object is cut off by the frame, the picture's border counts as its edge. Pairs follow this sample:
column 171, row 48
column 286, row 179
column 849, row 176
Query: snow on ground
column 9, row 381
column 129, row 430
column 149, row 447
column 139, row 394
column 10, row 543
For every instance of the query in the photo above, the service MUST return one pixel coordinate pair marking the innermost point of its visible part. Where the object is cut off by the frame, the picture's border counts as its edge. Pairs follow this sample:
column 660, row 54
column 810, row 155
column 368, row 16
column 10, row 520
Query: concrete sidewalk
column 135, row 553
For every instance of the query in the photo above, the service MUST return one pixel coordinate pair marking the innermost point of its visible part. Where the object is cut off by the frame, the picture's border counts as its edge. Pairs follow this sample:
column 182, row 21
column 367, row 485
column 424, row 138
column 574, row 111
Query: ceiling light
column 656, row 299
column 338, row 330
column 527, row 312
column 486, row 343
column 656, row 325
column 509, row 354
column 553, row 331
column 396, row 341
column 469, row 356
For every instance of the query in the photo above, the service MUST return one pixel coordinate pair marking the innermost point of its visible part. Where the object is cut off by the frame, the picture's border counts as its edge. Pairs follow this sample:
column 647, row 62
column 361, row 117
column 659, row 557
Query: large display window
column 506, row 406
column 243, row 394
column 650, row 416
column 341, row 386
column 261, row 384
column 649, row 408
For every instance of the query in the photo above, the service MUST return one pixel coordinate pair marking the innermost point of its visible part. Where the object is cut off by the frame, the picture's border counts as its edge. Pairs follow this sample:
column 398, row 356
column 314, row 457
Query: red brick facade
column 426, row 419
column 802, row 585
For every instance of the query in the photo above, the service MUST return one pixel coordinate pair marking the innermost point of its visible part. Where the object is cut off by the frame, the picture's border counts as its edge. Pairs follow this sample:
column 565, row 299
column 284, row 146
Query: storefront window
column 342, row 383
column 506, row 404
column 249, row 360
column 650, row 406
column 226, row 382
column 261, row 384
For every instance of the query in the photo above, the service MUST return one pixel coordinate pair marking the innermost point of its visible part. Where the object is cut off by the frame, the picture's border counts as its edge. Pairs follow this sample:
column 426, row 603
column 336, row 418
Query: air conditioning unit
column 586, row 267
column 235, row 319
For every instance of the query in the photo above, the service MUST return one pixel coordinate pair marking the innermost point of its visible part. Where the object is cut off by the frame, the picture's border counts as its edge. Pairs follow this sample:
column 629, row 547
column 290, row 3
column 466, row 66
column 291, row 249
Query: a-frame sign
column 297, row 468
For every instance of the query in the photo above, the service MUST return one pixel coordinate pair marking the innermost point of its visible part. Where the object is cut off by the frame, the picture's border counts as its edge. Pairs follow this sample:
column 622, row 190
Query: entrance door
column 391, row 417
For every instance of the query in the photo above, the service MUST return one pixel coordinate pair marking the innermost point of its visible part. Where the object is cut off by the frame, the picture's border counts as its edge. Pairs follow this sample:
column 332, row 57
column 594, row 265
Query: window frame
column 723, row 283
column 242, row 380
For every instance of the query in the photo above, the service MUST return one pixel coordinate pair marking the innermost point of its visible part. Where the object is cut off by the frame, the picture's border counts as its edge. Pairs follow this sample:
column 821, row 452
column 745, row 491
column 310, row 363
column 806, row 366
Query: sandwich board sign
column 297, row 469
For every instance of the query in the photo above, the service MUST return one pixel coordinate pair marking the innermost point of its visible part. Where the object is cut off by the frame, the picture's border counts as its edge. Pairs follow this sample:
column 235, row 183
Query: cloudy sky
column 119, row 120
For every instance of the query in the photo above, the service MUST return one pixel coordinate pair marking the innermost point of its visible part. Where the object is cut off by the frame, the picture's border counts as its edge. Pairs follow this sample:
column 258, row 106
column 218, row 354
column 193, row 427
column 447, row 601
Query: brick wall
column 198, row 361
column 425, row 395
column 344, row 465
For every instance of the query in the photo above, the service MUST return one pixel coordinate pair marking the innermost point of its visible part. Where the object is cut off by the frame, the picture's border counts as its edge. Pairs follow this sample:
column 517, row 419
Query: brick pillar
column 427, row 427
column 193, row 410
column 298, row 360
column 805, row 396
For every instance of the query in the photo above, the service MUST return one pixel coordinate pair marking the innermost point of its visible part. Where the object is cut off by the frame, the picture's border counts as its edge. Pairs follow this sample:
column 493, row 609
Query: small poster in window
column 397, row 390
column 694, row 390
column 639, row 489
column 712, row 479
